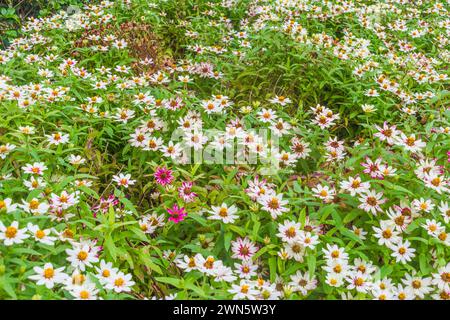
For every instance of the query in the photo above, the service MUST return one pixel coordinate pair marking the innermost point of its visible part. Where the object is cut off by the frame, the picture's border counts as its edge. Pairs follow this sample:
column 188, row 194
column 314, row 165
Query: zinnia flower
column 177, row 214
column 163, row 176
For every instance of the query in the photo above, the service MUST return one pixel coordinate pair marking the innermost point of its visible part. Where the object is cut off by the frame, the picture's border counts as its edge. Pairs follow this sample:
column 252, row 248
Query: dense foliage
column 335, row 113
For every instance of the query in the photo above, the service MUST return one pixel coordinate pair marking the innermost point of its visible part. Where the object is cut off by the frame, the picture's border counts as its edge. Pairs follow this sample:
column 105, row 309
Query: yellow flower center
column 223, row 212
column 34, row 204
column 11, row 232
column 82, row 255
column 49, row 273
column 84, row 294
column 40, row 234
column 119, row 282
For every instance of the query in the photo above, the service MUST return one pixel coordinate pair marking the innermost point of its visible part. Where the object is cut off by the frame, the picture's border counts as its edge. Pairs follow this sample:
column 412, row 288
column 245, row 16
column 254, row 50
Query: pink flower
column 104, row 204
column 448, row 154
column 177, row 214
column 163, row 176
column 185, row 192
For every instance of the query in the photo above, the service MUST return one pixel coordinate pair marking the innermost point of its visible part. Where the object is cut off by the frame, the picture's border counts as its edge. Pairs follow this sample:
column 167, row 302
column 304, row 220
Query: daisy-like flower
column 333, row 252
column 35, row 206
column 355, row 186
column 187, row 263
column 195, row 140
column 359, row 232
column 7, row 205
column 368, row 108
column 308, row 240
column 120, row 282
column 402, row 293
column 243, row 248
column 441, row 278
column 267, row 115
column 246, row 269
column 387, row 133
column 423, row 205
column 294, row 249
column 65, row 200
column 324, row 192
column 177, row 214
column 81, row 256
column 123, row 180
column 437, row 183
column 223, row 273
column 34, row 183
column 35, row 168
column 57, row 138
column 359, row 281
column 172, row 150
column 185, row 192
column 12, row 234
column 289, row 231
column 245, row 290
column 163, row 176
column 86, row 291
column 5, row 149
column 105, row 271
column 419, row 286
column 303, row 282
column 281, row 100
column 387, row 234
column 410, row 143
column 371, row 201
column 41, row 235
column 28, row 130
column 300, row 148
column 48, row 275
column 76, row 160
column 274, row 204
column 402, row 252
column 444, row 209
column 373, row 168
column 224, row 213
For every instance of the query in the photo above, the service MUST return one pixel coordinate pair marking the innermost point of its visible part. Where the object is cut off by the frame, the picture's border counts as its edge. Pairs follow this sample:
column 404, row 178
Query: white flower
column 7, row 205
column 35, row 168
column 245, row 290
column 123, row 180
column 274, row 204
column 65, row 200
column 76, row 159
column 57, row 138
column 48, row 275
column 355, row 186
column 81, row 256
column 224, row 213
column 387, row 233
column 368, row 108
column 281, row 100
column 12, row 234
column 370, row 202
column 120, row 282
column 35, row 206
column 402, row 252
column 86, row 291
column 41, row 235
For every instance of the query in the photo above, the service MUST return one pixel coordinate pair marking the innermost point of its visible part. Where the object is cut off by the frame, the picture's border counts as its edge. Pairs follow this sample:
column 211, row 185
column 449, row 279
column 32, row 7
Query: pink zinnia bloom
column 177, row 214
column 104, row 204
column 163, row 176
column 448, row 154
column 185, row 192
